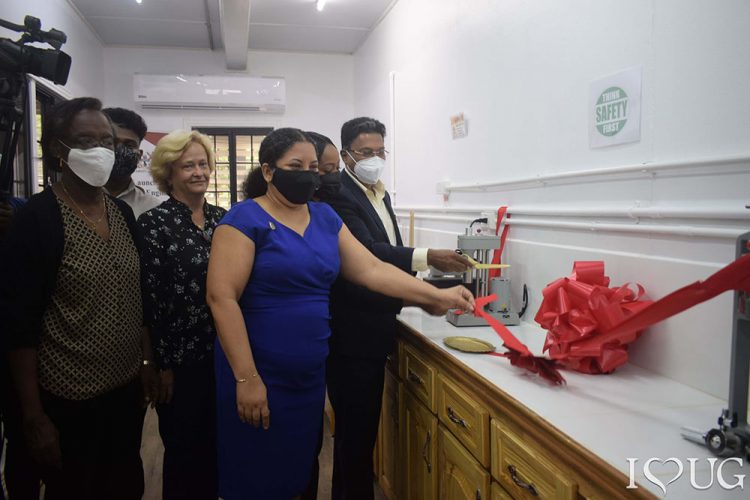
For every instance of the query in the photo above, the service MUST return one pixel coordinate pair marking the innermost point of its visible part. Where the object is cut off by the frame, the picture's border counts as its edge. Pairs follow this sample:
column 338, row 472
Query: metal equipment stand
column 732, row 437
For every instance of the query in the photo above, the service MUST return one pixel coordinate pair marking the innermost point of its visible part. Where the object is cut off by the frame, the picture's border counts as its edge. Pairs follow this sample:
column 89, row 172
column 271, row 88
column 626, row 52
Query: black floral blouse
column 175, row 264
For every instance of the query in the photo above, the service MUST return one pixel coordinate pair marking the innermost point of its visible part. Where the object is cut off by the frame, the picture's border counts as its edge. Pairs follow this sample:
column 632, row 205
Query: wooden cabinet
column 524, row 470
column 468, row 420
column 389, row 438
column 448, row 433
column 420, row 450
column 460, row 476
column 498, row 493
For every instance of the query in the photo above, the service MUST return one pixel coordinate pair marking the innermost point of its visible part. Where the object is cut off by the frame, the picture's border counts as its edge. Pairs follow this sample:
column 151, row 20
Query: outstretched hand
column 457, row 297
column 447, row 260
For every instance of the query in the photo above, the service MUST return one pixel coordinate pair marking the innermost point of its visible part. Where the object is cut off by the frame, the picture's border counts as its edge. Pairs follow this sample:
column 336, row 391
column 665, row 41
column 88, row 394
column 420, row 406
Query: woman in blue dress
column 273, row 261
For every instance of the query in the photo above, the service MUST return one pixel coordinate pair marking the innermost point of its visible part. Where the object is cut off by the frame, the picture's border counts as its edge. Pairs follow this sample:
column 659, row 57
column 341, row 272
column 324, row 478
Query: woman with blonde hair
column 177, row 239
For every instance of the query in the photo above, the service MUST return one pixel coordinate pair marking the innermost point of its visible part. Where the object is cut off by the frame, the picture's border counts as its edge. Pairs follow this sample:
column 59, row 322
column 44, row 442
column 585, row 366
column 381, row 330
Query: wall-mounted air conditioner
column 241, row 93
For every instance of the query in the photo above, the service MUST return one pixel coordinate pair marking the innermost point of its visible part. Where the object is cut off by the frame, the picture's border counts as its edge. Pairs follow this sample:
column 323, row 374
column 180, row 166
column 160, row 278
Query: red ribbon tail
column 517, row 353
column 545, row 368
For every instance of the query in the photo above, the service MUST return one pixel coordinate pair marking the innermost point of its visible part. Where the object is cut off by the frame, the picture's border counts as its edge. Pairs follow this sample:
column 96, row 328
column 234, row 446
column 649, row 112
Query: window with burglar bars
column 236, row 151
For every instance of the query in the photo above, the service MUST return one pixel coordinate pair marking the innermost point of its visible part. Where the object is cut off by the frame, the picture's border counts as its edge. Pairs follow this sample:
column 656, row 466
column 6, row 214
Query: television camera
column 17, row 59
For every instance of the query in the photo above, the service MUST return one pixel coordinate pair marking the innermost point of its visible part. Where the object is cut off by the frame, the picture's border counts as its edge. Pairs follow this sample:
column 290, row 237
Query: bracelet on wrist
column 243, row 380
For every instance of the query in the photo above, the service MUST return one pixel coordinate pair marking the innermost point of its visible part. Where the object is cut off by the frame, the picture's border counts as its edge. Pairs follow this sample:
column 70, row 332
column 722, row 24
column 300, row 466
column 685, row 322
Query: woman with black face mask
column 328, row 171
column 328, row 166
column 273, row 261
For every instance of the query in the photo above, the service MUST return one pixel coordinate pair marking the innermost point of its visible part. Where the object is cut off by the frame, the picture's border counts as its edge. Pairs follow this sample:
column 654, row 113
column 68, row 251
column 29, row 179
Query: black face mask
column 297, row 186
column 330, row 184
column 126, row 161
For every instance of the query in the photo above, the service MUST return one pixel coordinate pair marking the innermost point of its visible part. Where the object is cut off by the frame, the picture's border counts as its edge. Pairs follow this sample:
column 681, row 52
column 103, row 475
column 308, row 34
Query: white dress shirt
column 138, row 199
column 375, row 195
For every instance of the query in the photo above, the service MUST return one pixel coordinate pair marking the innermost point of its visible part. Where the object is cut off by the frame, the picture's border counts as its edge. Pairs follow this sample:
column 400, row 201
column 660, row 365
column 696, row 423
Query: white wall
column 83, row 46
column 319, row 87
column 520, row 71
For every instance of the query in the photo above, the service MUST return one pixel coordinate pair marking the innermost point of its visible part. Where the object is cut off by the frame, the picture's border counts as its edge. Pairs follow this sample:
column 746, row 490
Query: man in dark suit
column 363, row 323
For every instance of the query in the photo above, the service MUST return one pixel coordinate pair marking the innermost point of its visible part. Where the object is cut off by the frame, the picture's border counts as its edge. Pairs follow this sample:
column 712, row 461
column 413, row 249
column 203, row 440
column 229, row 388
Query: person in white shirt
column 130, row 129
column 363, row 323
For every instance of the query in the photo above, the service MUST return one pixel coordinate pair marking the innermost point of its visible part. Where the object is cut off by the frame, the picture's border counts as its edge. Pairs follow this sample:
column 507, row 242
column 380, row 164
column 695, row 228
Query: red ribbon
column 518, row 354
column 578, row 308
column 496, row 255
column 589, row 325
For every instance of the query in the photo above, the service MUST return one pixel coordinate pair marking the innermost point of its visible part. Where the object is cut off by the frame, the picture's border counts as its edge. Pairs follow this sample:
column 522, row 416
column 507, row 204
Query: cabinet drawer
column 461, row 476
column 524, row 471
column 468, row 420
column 419, row 377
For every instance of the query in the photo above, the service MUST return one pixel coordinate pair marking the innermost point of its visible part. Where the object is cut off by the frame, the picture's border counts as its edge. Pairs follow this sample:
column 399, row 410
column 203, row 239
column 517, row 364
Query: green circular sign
column 611, row 111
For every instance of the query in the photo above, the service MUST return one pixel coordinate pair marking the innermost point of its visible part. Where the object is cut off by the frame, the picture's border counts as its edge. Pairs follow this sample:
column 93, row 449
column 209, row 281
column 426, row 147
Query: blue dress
column 285, row 307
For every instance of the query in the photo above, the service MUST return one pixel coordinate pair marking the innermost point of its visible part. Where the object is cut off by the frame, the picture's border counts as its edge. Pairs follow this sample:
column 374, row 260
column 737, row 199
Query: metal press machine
column 480, row 248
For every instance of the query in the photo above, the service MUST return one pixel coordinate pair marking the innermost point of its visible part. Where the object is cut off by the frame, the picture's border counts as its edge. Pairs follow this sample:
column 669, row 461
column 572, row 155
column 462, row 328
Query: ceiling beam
column 208, row 26
column 234, row 18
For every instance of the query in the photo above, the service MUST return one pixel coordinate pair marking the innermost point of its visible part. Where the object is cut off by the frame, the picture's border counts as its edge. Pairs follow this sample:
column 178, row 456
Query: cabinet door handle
column 394, row 411
column 520, row 482
column 414, row 377
column 478, row 495
column 456, row 419
column 425, row 447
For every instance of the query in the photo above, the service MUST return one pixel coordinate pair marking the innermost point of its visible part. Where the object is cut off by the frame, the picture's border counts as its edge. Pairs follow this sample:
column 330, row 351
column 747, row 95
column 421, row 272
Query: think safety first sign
column 615, row 109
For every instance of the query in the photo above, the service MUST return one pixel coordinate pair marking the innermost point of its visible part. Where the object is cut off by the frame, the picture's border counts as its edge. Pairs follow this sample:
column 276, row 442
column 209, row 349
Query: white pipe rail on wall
column 649, row 169
column 554, row 216
column 635, row 212
column 631, row 227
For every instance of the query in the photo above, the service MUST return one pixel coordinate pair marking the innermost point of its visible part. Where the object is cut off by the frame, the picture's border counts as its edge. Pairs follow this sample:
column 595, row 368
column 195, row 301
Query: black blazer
column 363, row 323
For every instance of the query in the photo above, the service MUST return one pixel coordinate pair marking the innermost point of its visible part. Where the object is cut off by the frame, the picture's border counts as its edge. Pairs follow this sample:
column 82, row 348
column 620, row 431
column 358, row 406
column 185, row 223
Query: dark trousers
column 22, row 475
column 355, row 388
column 21, row 472
column 100, row 444
column 187, row 427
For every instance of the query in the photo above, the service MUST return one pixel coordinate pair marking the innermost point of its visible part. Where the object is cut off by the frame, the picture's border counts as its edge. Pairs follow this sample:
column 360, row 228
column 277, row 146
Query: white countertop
column 632, row 413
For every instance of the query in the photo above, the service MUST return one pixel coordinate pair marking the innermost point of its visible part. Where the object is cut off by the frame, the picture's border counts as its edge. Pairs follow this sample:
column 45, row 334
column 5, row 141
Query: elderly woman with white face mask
column 71, row 296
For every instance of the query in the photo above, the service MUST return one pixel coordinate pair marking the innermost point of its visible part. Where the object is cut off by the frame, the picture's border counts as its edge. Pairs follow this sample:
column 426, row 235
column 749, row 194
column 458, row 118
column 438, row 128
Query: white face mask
column 93, row 166
column 368, row 170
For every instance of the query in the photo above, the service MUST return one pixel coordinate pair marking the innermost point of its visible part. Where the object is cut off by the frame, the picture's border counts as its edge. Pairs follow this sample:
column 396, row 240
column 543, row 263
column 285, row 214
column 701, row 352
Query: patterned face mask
column 126, row 161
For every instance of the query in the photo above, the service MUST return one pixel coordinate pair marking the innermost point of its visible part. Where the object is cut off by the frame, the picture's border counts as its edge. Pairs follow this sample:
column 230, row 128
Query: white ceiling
column 274, row 24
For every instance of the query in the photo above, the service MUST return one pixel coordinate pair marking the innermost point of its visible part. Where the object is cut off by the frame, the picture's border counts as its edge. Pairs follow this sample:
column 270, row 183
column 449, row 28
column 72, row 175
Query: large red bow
column 579, row 308
column 589, row 325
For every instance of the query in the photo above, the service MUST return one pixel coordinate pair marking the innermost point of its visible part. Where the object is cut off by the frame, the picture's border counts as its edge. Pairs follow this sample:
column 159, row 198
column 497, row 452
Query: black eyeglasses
column 369, row 153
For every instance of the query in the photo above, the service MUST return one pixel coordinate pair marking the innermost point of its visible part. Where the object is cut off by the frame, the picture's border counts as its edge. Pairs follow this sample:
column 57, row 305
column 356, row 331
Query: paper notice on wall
column 614, row 109
column 142, row 175
column 458, row 126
